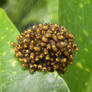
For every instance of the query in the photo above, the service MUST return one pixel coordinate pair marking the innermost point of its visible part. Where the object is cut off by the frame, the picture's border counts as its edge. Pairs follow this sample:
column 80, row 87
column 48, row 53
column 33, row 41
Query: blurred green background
column 25, row 13
column 76, row 16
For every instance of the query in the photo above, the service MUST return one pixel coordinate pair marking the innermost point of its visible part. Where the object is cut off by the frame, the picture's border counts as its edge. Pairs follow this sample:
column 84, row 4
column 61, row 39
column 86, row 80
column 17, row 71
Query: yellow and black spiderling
column 45, row 47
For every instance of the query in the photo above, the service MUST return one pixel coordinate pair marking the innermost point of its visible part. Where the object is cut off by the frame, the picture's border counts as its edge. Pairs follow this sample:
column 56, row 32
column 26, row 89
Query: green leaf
column 12, row 77
column 76, row 15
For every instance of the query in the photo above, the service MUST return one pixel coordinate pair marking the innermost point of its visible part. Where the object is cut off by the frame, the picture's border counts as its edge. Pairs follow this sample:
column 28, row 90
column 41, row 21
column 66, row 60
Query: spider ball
column 45, row 47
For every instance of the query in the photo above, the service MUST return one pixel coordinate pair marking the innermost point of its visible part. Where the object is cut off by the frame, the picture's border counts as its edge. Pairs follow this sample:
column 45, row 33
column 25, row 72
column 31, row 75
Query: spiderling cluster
column 45, row 47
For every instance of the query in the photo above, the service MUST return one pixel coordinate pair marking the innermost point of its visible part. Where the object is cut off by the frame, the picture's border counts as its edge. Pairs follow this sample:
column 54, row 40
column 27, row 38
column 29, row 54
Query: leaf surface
column 13, row 78
column 76, row 15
